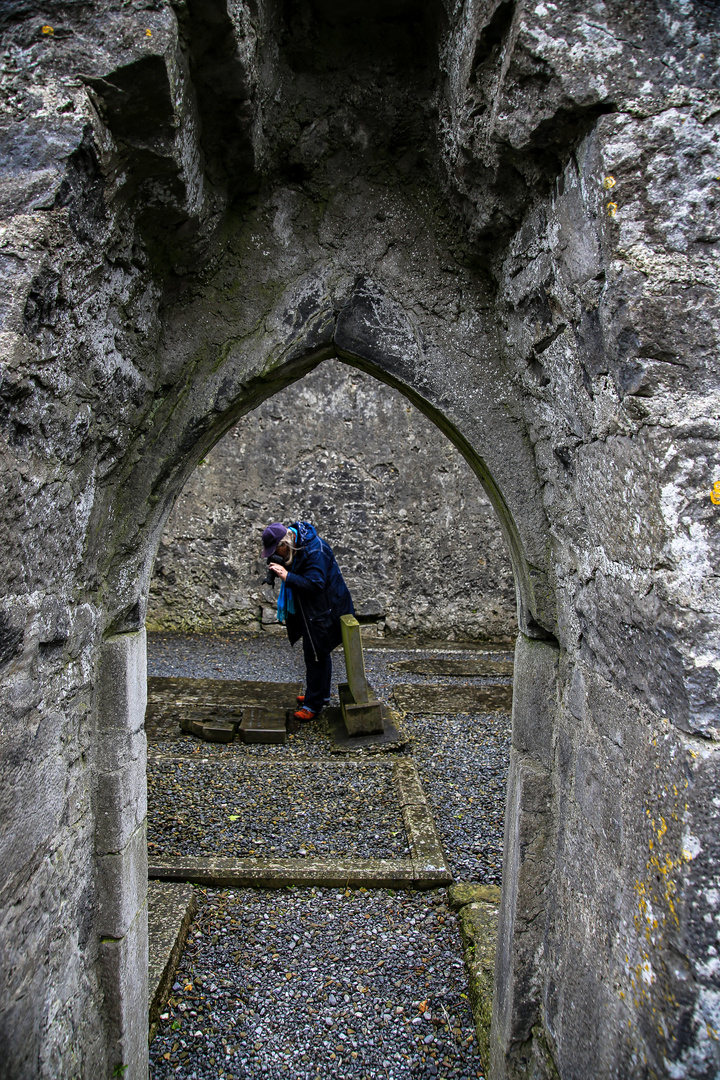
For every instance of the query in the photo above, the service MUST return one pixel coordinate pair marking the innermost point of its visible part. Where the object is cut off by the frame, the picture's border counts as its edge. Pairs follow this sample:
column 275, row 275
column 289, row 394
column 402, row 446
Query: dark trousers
column 318, row 677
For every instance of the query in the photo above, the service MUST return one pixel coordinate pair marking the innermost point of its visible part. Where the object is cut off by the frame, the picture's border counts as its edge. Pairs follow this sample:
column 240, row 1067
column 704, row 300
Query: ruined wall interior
column 416, row 536
column 507, row 211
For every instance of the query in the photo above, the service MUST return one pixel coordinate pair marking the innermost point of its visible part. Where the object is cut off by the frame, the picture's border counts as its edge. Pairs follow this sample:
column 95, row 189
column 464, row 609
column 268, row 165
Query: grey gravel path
column 309, row 983
column 355, row 1004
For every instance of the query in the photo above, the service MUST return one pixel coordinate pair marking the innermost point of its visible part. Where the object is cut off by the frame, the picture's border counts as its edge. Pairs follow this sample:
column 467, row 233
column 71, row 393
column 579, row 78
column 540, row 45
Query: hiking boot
column 304, row 715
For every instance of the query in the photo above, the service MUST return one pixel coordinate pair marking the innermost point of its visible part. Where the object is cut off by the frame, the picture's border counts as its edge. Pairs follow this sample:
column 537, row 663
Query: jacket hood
column 306, row 533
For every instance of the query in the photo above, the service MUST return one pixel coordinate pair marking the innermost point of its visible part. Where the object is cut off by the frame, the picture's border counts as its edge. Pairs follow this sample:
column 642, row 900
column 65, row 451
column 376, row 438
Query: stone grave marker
column 361, row 709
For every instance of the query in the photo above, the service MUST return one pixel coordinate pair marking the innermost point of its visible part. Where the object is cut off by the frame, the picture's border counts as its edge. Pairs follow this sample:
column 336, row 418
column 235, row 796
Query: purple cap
column 271, row 537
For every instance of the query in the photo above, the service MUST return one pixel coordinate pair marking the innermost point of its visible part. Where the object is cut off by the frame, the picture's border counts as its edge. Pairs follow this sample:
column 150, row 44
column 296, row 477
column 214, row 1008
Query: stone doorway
column 358, row 337
column 461, row 689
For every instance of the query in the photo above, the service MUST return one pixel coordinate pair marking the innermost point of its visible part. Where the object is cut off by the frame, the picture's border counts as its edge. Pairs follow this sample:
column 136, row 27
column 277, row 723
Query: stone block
column 121, row 689
column 122, row 886
column 369, row 608
column 526, row 872
column 472, row 892
column 360, row 719
column 264, row 726
column 121, row 805
column 535, row 698
column 124, row 975
column 479, row 933
column 120, row 749
column 218, row 733
column 392, row 737
column 171, row 907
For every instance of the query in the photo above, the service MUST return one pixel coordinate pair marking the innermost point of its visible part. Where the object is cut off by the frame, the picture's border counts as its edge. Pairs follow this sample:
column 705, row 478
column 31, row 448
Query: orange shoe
column 300, row 698
column 303, row 715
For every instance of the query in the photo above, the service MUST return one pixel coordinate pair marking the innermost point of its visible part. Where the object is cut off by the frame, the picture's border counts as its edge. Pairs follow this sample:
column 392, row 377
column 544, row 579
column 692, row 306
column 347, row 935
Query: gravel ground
column 284, row 809
column 463, row 761
column 277, row 978
column 270, row 657
column 309, row 983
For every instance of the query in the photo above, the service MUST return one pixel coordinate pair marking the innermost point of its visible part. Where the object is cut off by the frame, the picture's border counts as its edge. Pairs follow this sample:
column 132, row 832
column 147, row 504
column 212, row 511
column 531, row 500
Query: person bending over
column 313, row 596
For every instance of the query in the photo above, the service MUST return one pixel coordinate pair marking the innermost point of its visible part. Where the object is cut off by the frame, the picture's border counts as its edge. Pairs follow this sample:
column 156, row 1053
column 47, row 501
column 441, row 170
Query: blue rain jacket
column 319, row 592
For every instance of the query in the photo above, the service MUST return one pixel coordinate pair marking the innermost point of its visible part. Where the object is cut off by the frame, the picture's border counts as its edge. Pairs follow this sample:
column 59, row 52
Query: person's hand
column 281, row 571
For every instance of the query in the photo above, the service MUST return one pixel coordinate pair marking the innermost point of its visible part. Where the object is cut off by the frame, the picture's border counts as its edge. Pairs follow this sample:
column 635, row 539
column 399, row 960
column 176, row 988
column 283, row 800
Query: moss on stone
column 470, row 892
column 478, row 930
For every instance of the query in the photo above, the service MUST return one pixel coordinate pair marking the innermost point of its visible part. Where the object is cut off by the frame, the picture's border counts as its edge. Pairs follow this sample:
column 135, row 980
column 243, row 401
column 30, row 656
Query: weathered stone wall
column 507, row 211
column 412, row 528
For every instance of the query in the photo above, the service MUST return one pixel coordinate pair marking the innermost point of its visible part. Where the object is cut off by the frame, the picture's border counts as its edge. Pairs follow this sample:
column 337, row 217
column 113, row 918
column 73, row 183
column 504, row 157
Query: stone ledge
column 171, row 909
column 278, row 873
column 478, row 922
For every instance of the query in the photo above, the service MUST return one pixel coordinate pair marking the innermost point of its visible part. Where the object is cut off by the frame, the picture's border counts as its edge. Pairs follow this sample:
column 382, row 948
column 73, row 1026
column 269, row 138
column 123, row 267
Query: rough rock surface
column 479, row 931
column 416, row 537
column 507, row 211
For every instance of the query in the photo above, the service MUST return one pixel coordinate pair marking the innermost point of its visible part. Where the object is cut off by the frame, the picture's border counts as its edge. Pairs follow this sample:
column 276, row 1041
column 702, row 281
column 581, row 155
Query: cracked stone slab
column 226, row 692
column 436, row 698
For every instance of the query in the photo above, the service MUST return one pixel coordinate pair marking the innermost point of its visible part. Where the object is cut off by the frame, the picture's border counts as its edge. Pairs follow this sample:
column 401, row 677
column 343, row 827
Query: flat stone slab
column 435, row 698
column 279, row 873
column 225, row 692
column 171, row 908
column 467, row 666
column 391, row 738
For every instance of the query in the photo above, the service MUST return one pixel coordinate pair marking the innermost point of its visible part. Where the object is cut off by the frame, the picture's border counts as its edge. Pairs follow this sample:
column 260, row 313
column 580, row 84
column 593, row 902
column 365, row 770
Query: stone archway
column 534, row 188
column 373, row 332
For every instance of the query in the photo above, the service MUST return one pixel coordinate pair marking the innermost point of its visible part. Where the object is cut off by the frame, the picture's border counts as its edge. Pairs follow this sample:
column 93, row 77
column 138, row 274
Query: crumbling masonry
column 509, row 212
